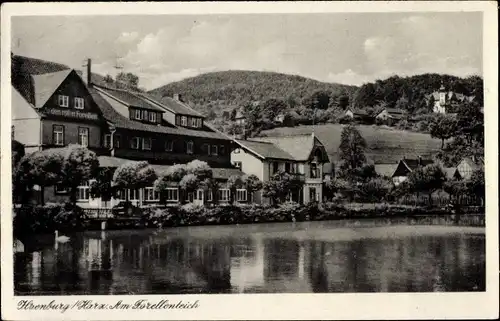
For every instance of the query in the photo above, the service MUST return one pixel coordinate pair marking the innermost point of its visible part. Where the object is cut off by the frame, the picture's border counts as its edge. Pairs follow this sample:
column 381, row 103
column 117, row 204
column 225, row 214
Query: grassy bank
column 31, row 220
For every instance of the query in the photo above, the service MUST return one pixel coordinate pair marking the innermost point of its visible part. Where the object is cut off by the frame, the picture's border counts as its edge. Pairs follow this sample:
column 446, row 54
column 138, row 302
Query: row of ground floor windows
column 150, row 195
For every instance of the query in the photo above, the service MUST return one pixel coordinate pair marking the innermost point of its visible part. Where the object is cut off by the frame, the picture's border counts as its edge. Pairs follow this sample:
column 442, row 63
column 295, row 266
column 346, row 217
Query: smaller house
column 358, row 115
column 468, row 166
column 239, row 118
column 391, row 115
column 406, row 166
column 444, row 100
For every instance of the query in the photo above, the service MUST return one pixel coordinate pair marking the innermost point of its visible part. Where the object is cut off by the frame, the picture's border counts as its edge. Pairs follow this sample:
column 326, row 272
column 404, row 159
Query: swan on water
column 62, row 238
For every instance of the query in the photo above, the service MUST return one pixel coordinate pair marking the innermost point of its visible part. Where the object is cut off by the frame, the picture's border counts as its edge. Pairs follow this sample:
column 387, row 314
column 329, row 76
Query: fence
column 424, row 200
column 98, row 212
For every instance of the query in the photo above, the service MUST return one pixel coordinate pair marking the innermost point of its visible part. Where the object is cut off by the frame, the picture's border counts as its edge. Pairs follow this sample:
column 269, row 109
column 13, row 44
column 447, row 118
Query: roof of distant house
column 298, row 146
column 130, row 99
column 265, row 149
column 385, row 170
column 174, row 105
column 358, row 112
column 412, row 164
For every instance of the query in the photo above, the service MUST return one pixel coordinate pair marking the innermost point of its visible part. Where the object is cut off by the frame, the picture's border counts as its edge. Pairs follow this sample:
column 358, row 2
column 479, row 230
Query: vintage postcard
column 277, row 160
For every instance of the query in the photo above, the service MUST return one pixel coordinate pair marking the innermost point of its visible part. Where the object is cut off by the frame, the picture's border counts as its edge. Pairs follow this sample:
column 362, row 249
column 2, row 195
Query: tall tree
column 443, row 127
column 252, row 184
column 128, row 79
column 280, row 185
column 426, row 179
column 352, row 149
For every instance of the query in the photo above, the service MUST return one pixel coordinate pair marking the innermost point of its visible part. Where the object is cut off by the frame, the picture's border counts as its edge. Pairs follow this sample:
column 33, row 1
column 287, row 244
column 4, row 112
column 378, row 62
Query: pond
column 310, row 257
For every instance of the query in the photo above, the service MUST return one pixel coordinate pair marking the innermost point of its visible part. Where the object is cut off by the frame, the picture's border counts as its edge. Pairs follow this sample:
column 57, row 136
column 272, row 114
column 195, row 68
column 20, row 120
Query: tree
column 79, row 165
column 318, row 100
column 189, row 183
column 129, row 80
column 108, row 79
column 211, row 185
column 272, row 108
column 233, row 183
column 17, row 152
column 280, row 185
column 42, row 169
column 352, row 150
column 102, row 186
column 199, row 169
column 476, row 184
column 426, row 179
column 252, row 184
column 443, row 127
column 133, row 175
column 375, row 189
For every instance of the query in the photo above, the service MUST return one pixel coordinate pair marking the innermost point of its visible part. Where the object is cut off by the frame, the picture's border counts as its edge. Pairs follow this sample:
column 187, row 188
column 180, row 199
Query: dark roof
column 130, row 99
column 298, row 146
column 394, row 111
column 35, row 66
column 415, row 163
column 265, row 149
column 121, row 121
column 174, row 105
column 218, row 173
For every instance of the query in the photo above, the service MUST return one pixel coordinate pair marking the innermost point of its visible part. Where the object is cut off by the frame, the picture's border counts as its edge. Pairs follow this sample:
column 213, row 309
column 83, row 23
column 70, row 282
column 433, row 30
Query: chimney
column 419, row 160
column 87, row 72
column 177, row 97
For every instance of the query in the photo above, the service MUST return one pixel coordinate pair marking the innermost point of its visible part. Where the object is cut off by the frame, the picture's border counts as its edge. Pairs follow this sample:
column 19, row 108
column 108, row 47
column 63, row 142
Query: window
column 150, row 195
column 301, row 169
column 224, row 195
column 183, row 121
column 314, row 170
column 222, row 149
column 137, row 114
column 118, row 138
column 133, row 194
column 198, row 122
column 146, row 143
column 200, row 195
column 206, row 147
column 238, row 164
column 59, row 189
column 241, row 195
column 172, row 194
column 83, row 136
column 107, row 141
column 293, row 168
column 63, row 101
column 79, row 103
column 210, row 196
column 192, row 122
column 152, row 117
column 58, row 135
column 169, row 145
column 134, row 143
column 287, row 167
column 83, row 192
column 189, row 147
column 145, row 115
column 275, row 167
column 214, row 150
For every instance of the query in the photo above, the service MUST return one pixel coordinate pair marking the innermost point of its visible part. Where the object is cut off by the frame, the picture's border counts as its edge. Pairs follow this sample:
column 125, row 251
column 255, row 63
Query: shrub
column 70, row 217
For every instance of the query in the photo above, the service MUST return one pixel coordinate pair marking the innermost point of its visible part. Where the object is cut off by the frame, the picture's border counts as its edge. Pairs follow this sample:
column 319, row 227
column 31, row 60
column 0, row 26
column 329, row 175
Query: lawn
column 385, row 145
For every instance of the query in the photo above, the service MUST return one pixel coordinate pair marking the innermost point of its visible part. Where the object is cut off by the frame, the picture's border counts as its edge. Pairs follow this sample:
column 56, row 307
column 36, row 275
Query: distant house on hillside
column 280, row 118
column 239, row 119
column 358, row 115
column 391, row 115
column 406, row 166
column 468, row 166
column 445, row 101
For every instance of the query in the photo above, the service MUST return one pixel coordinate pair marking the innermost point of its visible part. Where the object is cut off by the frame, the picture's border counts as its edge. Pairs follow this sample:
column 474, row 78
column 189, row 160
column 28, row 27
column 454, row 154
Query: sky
column 347, row 48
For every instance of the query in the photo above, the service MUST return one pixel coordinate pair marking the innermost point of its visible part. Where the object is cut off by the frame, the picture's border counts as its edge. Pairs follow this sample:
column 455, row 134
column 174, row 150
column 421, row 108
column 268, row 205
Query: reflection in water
column 315, row 257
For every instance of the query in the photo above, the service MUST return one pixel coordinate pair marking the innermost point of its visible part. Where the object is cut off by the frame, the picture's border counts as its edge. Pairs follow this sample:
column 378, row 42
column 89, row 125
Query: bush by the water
column 48, row 218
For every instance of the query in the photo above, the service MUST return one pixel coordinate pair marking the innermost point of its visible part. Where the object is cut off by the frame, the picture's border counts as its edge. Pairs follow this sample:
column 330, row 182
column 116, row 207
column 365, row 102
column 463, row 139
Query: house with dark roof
column 390, row 115
column 54, row 106
column 406, row 166
column 302, row 155
column 359, row 115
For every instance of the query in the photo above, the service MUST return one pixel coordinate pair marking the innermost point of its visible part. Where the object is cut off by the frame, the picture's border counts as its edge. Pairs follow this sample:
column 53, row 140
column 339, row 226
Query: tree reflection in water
column 250, row 260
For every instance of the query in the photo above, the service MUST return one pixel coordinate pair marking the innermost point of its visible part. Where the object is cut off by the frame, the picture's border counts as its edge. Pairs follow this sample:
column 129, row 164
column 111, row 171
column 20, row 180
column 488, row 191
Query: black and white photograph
column 192, row 154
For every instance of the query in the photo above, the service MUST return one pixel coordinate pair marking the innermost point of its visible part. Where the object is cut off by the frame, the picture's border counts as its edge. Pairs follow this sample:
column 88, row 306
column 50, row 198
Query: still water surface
column 306, row 257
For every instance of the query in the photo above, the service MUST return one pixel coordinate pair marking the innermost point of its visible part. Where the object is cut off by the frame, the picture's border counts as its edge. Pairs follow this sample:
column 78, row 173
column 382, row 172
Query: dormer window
column 137, row 114
column 144, row 115
column 152, row 117
column 183, row 121
column 189, row 147
column 192, row 122
column 63, row 101
column 79, row 103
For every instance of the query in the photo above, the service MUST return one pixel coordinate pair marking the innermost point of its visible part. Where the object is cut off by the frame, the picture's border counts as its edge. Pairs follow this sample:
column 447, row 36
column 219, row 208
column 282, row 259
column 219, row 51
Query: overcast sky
column 346, row 48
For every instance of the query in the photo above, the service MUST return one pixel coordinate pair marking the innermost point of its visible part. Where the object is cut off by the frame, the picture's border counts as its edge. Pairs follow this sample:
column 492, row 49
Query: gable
column 46, row 84
column 21, row 109
column 401, row 170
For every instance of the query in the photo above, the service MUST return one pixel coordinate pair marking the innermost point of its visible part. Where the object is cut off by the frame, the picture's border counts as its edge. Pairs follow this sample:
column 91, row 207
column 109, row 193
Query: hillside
column 385, row 145
column 225, row 90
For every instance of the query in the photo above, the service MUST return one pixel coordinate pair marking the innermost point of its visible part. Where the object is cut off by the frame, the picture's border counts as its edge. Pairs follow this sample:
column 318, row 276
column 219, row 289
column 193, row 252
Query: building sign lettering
column 71, row 114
